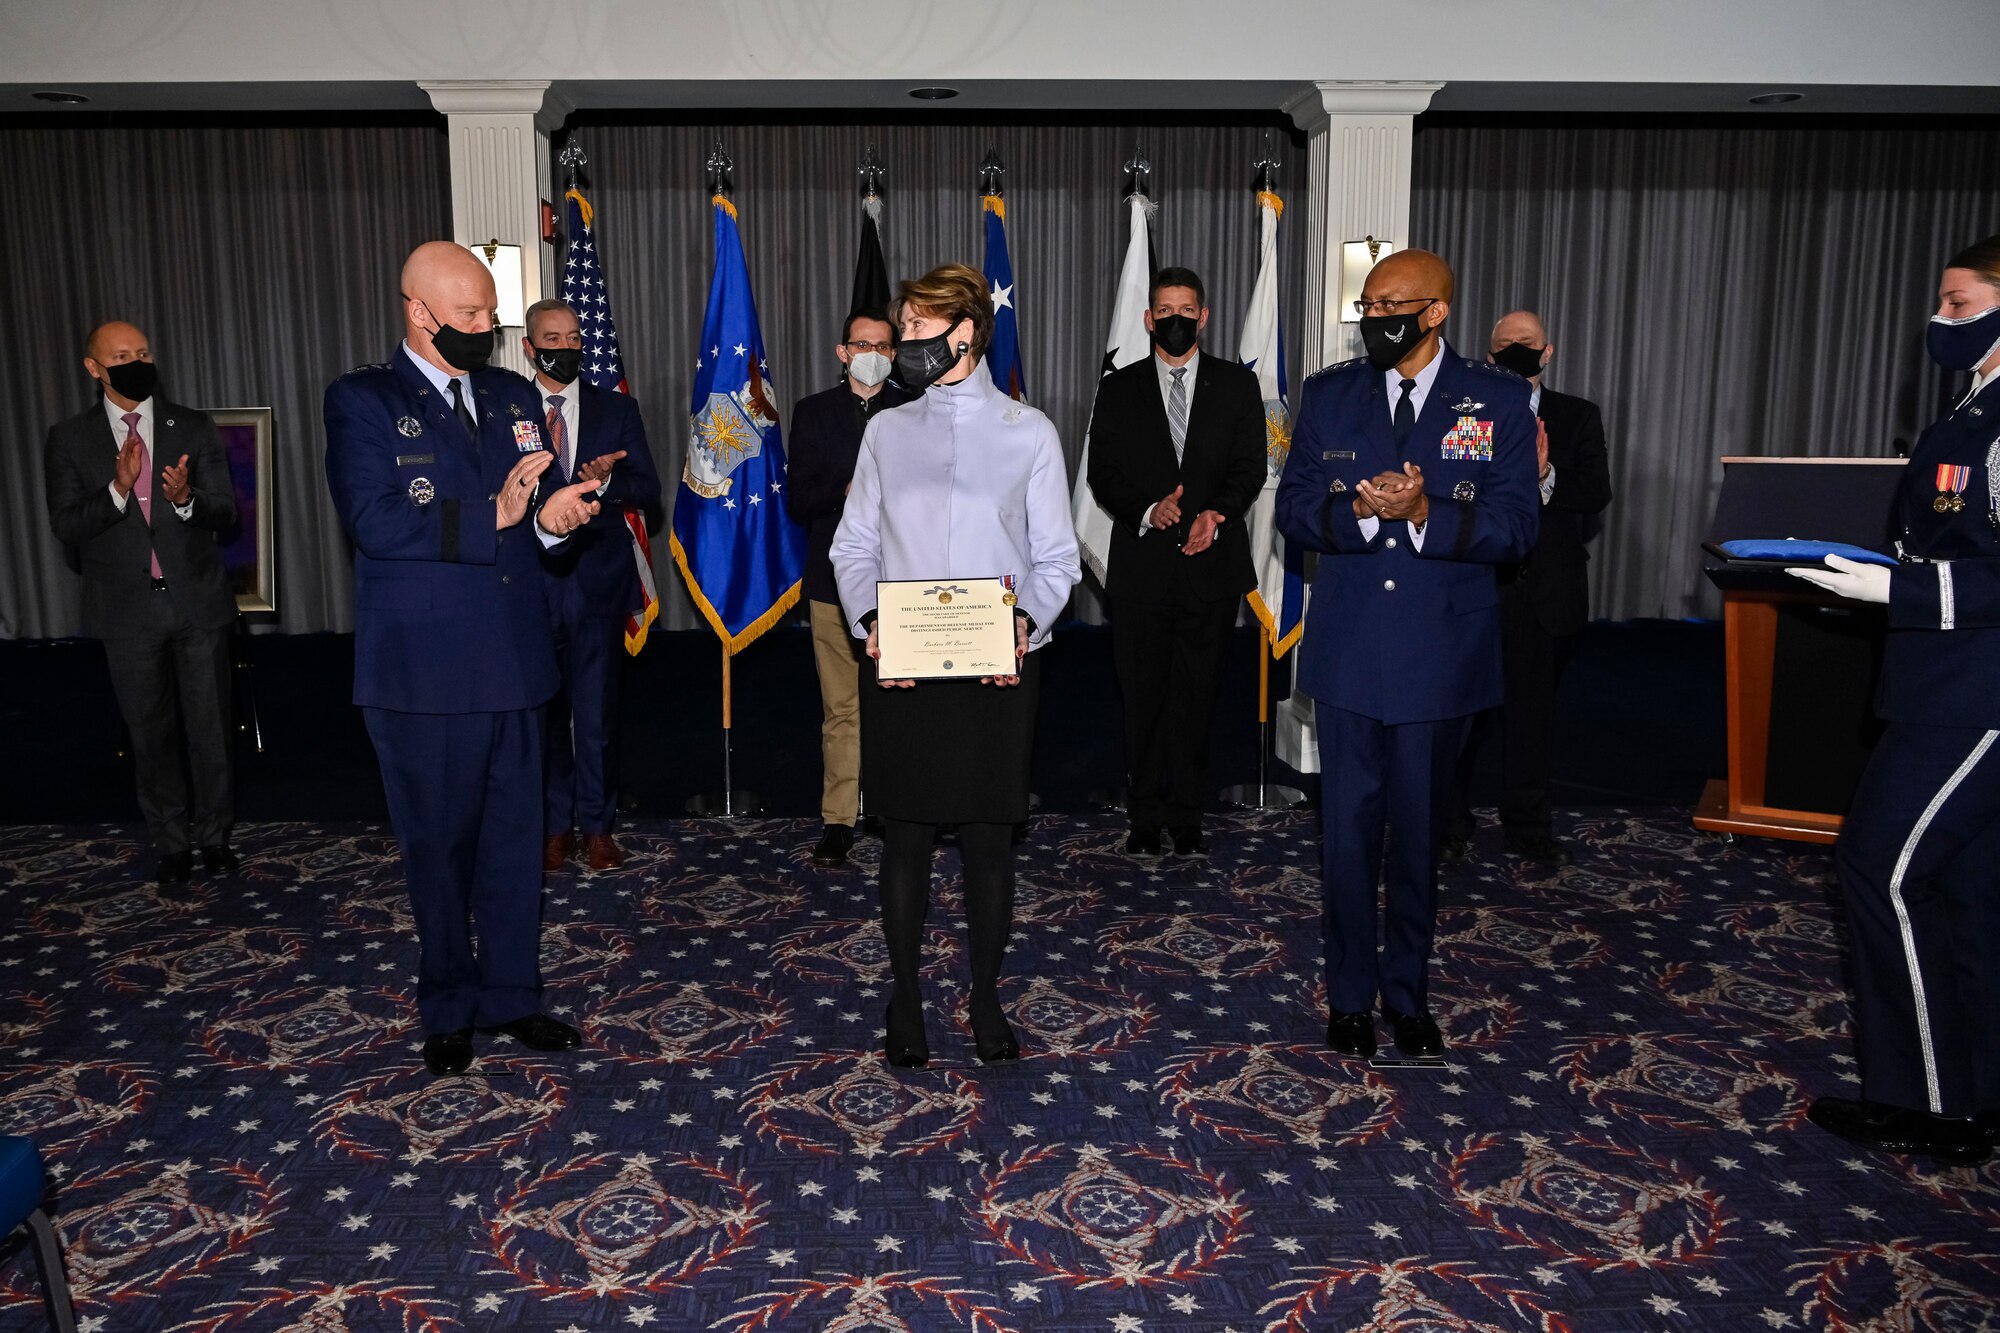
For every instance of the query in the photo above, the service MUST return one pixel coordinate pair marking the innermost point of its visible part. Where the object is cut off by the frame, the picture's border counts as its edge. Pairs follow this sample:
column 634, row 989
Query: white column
column 500, row 175
column 1358, row 184
column 1358, row 139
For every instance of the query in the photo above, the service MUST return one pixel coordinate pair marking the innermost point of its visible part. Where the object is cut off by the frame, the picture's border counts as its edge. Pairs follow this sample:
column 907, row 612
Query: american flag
column 584, row 291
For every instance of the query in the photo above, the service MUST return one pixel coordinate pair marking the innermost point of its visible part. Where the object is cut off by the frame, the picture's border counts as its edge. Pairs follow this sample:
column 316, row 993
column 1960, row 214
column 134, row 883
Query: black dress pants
column 1532, row 661
column 1168, row 651
column 173, row 687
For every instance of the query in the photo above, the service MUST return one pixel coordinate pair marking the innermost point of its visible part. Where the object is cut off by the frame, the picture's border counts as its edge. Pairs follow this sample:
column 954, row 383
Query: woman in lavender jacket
column 962, row 483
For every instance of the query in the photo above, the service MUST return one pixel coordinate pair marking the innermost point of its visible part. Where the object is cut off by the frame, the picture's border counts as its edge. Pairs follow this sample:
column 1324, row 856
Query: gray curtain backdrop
column 800, row 218
column 1716, row 291
column 261, row 263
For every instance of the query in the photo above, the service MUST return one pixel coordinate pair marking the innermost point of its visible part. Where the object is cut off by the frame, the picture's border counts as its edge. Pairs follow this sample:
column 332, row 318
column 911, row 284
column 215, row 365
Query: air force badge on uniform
column 527, row 437
column 1466, row 405
column 409, row 427
column 1470, row 441
column 421, row 491
column 1465, row 492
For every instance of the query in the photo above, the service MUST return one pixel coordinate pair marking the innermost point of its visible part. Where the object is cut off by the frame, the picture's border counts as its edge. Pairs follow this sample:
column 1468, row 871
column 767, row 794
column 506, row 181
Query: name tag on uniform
column 411, row 460
column 527, row 437
column 1337, row 455
column 1470, row 441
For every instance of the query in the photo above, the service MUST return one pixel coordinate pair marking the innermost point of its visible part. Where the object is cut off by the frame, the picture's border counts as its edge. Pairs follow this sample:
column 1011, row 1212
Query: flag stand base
column 719, row 805
column 1262, row 796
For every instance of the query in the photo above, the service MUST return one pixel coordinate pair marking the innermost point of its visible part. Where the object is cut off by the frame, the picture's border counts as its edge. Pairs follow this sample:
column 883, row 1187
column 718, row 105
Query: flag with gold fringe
column 738, row 549
column 1278, row 600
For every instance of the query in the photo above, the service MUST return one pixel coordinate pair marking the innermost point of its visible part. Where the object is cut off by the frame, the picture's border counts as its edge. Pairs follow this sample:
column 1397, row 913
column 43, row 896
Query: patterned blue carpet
column 226, row 1080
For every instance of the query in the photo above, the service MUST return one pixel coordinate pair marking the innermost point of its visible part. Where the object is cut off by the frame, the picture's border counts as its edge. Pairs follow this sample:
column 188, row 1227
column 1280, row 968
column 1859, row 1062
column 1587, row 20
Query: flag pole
column 1264, row 795
column 729, row 803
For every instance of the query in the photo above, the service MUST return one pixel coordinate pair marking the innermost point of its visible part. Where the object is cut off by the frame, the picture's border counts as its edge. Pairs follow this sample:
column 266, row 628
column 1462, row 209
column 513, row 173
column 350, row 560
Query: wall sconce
column 1356, row 258
column 504, row 262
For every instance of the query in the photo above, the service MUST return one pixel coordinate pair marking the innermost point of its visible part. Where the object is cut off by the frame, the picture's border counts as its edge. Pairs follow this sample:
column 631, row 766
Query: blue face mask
column 1964, row 344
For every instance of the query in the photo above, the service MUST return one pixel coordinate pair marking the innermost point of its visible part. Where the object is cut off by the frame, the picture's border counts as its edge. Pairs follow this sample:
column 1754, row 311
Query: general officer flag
column 741, row 554
column 1127, row 342
column 871, row 273
column 1003, row 354
column 583, row 289
column 1279, row 598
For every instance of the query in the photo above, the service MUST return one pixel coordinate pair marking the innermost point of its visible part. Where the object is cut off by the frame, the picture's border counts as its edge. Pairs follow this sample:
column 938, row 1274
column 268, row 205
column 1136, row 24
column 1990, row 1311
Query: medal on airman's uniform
column 1951, row 482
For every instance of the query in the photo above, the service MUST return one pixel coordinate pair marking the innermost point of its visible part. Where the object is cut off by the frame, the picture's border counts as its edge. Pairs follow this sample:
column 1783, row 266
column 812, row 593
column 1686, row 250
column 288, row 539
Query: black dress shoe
column 539, row 1032
column 992, row 1035
column 869, row 826
column 175, row 867
column 835, row 842
column 1351, row 1034
column 1143, row 842
column 903, row 1042
column 219, row 860
column 1416, row 1034
column 1539, row 847
column 448, row 1052
column 1958, row 1141
column 1188, row 841
column 1454, row 848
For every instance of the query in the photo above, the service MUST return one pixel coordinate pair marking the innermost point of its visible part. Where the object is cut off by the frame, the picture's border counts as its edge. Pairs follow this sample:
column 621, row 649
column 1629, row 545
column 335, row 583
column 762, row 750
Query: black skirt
column 948, row 751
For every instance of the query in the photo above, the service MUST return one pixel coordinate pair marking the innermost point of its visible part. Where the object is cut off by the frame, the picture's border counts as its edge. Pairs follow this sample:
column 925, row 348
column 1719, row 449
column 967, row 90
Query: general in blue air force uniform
column 1412, row 472
column 434, row 460
column 1919, row 854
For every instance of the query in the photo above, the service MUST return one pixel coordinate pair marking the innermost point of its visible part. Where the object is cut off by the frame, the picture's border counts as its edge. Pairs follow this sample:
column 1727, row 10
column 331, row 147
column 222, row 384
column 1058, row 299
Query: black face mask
column 1389, row 338
column 922, row 362
column 1523, row 361
column 462, row 350
column 561, row 364
column 1174, row 334
column 133, row 380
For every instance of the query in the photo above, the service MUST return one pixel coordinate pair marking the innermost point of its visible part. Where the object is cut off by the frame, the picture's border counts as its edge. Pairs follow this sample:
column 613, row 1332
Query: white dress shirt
column 572, row 419
column 1392, row 381
column 1535, row 407
column 1166, row 374
column 118, row 434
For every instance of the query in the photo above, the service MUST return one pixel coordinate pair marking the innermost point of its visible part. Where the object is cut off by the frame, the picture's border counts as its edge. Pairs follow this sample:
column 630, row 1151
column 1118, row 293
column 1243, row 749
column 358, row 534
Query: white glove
column 1847, row 578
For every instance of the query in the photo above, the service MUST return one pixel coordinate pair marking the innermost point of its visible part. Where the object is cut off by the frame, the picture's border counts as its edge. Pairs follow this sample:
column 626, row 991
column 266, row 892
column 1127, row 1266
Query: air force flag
column 741, row 554
column 1279, row 599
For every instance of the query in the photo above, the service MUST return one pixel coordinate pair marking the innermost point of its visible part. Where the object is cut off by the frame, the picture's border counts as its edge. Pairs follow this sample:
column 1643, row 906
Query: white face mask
column 869, row 368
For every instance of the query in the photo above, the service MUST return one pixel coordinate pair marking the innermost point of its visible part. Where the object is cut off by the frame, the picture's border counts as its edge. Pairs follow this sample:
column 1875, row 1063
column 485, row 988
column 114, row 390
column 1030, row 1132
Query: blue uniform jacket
column 449, row 615
column 595, row 573
column 1392, row 632
column 1943, row 651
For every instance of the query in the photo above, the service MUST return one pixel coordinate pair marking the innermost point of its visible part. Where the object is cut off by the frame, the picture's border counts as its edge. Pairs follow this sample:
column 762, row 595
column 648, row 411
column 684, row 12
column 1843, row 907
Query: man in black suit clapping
column 1176, row 459
column 1544, row 601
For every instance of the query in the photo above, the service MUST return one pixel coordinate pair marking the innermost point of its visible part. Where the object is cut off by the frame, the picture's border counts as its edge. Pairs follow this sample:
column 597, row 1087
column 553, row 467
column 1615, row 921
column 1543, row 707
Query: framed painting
column 250, row 556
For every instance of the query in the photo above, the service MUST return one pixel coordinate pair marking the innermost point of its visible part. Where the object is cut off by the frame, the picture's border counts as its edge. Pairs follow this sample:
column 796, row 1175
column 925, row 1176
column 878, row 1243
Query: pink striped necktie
column 143, row 487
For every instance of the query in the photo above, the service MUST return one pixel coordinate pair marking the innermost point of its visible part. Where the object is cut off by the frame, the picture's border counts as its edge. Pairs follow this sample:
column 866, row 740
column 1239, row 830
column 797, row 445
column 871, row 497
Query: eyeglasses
column 858, row 348
column 1388, row 307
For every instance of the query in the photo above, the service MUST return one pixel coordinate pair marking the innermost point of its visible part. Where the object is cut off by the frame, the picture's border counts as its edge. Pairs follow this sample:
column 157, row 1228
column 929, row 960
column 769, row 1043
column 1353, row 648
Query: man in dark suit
column 1412, row 472
column 1544, row 601
column 824, row 441
column 598, row 437
column 1176, row 459
column 434, row 461
column 140, row 487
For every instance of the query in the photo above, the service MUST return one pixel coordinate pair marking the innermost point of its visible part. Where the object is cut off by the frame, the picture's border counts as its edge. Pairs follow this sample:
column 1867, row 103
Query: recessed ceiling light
column 1775, row 99
column 933, row 94
column 60, row 98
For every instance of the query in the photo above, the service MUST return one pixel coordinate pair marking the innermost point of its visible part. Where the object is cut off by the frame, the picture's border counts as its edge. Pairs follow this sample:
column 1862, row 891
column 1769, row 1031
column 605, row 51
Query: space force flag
column 1127, row 342
column 741, row 554
column 583, row 290
column 1279, row 598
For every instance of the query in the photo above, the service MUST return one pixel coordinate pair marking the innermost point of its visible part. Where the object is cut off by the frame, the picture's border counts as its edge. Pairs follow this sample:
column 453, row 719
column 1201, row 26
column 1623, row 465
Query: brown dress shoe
column 602, row 852
column 556, row 851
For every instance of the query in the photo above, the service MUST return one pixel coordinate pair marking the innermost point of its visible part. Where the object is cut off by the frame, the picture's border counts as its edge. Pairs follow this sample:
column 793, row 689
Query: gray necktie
column 1177, row 412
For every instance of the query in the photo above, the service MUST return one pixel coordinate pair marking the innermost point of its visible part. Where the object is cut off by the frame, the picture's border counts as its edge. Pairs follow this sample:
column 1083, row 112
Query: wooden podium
column 1800, row 664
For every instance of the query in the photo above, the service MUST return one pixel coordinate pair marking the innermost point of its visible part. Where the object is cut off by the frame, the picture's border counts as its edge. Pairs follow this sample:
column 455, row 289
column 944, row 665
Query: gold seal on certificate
column 943, row 629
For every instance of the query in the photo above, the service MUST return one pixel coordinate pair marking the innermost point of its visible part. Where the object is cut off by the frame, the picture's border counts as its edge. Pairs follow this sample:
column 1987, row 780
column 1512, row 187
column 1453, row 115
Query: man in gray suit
column 140, row 487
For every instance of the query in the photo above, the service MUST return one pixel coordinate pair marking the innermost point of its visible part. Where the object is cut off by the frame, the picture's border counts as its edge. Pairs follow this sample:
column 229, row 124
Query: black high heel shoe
column 992, row 1036
column 903, row 1042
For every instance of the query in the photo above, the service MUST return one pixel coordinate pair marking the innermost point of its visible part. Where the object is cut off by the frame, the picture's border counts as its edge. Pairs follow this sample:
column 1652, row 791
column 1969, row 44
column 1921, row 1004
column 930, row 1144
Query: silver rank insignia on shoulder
column 1466, row 491
column 1466, row 405
column 421, row 491
column 1336, row 486
column 409, row 427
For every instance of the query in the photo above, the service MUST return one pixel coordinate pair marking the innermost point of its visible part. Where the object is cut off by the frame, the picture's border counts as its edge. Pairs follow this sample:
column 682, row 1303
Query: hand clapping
column 518, row 491
column 1397, row 496
column 598, row 468
column 568, row 509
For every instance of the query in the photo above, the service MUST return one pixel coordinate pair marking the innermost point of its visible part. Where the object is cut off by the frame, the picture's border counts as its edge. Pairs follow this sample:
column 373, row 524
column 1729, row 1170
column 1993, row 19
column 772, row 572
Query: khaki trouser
column 837, row 654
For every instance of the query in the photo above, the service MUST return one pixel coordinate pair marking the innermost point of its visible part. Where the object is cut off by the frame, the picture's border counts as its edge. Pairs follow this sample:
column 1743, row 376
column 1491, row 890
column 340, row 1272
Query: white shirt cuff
column 1416, row 537
column 1369, row 527
column 118, row 497
column 1146, row 519
column 548, row 539
column 1549, row 484
column 185, row 511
